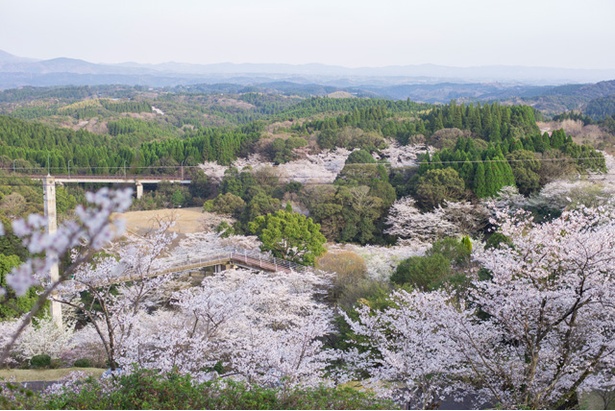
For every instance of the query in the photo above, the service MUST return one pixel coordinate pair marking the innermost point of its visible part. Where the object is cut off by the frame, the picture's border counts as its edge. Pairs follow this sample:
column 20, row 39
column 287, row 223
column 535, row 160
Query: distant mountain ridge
column 12, row 69
column 569, row 97
column 422, row 83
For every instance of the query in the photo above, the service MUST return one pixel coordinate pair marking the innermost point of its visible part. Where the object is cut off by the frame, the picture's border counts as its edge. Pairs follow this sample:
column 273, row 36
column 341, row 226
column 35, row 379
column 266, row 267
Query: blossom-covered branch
column 92, row 229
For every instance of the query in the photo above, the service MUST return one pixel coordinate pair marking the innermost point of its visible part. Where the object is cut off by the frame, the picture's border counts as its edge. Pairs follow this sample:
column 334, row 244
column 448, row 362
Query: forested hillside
column 480, row 222
column 471, row 151
column 579, row 97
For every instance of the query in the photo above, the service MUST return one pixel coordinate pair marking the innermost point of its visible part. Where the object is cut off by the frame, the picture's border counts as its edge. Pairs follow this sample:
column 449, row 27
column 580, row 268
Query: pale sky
column 350, row 33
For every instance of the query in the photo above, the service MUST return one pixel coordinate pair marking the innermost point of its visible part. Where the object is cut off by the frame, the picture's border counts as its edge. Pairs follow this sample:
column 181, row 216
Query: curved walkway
column 219, row 260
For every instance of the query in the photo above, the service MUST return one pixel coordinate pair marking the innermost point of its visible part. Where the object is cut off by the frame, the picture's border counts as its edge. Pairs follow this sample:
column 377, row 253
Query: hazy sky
column 351, row 33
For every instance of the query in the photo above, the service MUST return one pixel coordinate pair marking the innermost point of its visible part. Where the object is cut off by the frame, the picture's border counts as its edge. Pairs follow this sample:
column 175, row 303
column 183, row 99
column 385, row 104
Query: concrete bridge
column 138, row 181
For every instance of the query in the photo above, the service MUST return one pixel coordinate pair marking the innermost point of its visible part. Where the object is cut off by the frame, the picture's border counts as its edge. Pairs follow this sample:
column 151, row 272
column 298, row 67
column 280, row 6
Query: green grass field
column 44, row 375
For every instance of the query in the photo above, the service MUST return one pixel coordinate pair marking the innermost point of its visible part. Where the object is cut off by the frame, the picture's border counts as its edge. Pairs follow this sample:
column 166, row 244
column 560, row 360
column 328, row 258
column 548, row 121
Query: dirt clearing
column 187, row 220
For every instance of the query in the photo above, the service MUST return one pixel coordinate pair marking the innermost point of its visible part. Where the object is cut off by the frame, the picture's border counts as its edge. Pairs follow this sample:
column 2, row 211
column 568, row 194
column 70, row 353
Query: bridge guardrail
column 250, row 259
column 237, row 254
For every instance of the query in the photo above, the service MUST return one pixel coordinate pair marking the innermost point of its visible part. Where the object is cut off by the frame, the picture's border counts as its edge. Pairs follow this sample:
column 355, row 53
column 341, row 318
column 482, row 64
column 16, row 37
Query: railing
column 240, row 257
column 264, row 261
column 251, row 259
column 131, row 178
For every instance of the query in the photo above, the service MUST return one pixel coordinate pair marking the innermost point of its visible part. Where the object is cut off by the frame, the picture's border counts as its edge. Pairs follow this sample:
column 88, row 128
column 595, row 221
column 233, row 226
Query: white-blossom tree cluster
column 265, row 328
column 534, row 334
column 404, row 155
column 537, row 333
column 45, row 337
column 319, row 168
column 120, row 286
column 557, row 196
column 406, row 349
column 408, row 223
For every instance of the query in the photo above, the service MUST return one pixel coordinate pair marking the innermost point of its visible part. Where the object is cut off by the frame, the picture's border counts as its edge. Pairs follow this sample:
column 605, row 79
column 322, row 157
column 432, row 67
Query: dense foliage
column 146, row 389
column 509, row 149
column 87, row 153
column 289, row 235
column 600, row 108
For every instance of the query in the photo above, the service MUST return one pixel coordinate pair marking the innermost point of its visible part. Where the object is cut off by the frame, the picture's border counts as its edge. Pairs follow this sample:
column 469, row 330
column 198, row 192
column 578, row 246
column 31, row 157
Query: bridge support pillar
column 49, row 191
column 139, row 190
column 218, row 268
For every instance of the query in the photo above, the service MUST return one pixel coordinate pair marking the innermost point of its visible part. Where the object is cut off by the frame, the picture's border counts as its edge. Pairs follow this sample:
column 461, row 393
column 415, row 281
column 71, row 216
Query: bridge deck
column 246, row 260
column 113, row 179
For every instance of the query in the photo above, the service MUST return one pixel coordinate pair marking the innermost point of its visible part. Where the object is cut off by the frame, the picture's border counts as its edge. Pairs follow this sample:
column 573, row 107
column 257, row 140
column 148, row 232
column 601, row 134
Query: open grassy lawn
column 187, row 220
column 44, row 375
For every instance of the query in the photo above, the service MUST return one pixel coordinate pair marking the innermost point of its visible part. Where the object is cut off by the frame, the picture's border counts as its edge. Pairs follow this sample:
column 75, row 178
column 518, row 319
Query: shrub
column 360, row 157
column 368, row 291
column 496, row 240
column 83, row 363
column 456, row 251
column 424, row 273
column 147, row 389
column 349, row 269
column 225, row 229
column 40, row 361
column 227, row 204
column 208, row 206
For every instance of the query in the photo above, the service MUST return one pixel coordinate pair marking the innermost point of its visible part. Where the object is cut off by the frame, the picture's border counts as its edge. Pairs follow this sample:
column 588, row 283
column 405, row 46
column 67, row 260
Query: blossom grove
column 535, row 332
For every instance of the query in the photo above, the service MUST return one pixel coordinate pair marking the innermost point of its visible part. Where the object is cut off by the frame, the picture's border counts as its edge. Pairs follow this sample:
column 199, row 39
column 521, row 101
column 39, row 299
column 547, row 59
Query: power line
column 280, row 181
column 119, row 169
column 33, row 172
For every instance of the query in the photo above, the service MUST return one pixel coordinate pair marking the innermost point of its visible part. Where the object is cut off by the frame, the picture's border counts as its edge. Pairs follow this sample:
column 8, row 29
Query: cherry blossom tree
column 537, row 333
column 121, row 287
column 7, row 330
column 569, row 194
column 407, row 222
column 404, row 155
column 90, row 231
column 45, row 337
column 407, row 350
column 550, row 307
column 264, row 328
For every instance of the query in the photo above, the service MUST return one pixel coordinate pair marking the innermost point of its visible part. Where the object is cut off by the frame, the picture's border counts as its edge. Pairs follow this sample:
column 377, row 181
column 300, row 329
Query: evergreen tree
column 480, row 184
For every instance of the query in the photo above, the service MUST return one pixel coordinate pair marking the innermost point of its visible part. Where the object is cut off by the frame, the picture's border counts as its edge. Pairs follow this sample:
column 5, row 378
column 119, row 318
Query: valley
column 395, row 244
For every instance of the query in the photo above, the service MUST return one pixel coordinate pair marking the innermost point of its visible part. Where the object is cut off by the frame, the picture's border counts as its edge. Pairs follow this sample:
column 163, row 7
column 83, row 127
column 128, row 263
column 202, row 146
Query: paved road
column 37, row 385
